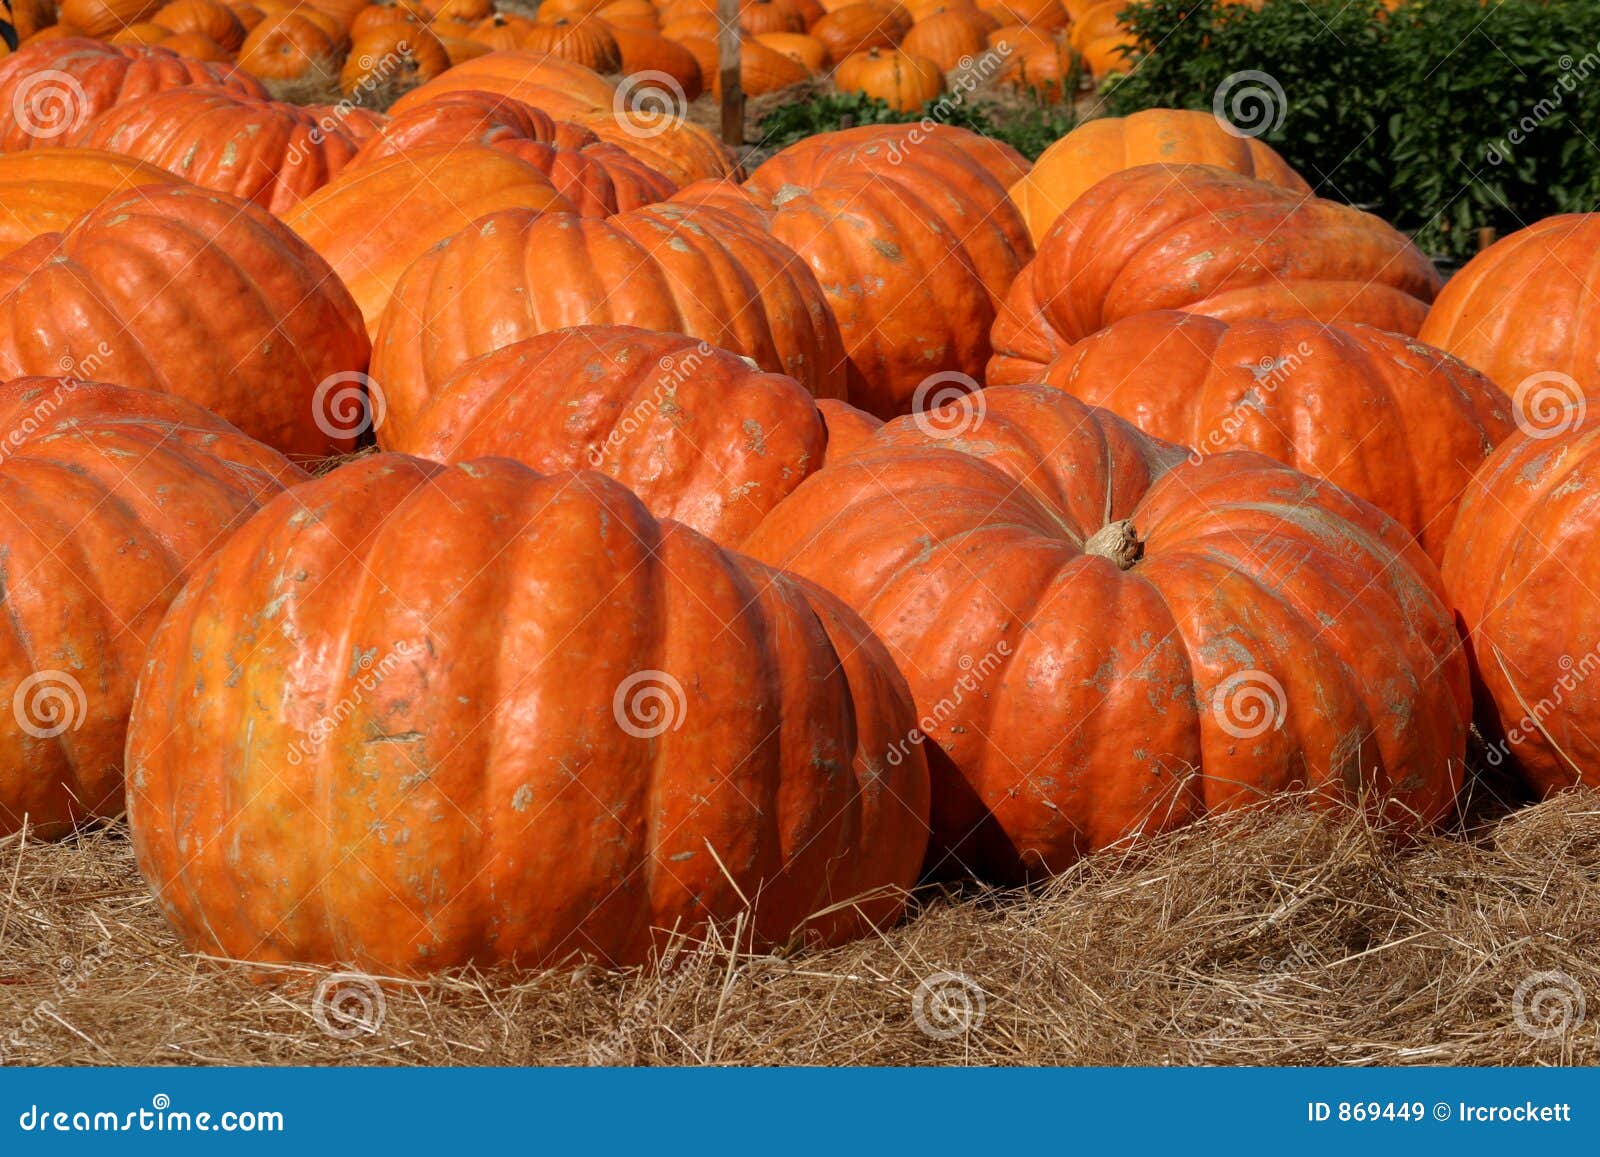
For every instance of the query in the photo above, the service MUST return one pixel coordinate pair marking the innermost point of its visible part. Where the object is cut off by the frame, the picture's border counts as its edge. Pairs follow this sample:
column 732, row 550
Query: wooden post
column 728, row 62
column 1485, row 237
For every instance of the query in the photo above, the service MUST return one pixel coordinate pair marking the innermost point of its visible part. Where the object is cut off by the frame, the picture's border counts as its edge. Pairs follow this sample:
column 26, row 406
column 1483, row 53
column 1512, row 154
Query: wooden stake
column 728, row 62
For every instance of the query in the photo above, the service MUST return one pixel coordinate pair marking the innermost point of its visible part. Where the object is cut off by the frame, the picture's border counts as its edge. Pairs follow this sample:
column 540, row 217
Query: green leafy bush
column 1445, row 116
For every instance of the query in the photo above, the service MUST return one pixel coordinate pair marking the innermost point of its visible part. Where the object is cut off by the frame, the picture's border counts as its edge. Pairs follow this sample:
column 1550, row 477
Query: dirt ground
column 1277, row 937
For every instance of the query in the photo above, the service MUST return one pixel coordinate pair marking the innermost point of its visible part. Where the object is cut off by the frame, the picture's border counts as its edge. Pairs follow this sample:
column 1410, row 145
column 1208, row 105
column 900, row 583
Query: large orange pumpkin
column 1098, row 148
column 902, row 81
column 671, row 268
column 951, row 38
column 1521, row 572
column 425, row 196
column 1390, row 419
column 290, row 46
column 684, row 151
column 216, row 22
column 587, row 42
column 560, row 87
column 265, row 151
column 112, row 496
column 575, row 731
column 1524, row 310
column 1203, row 240
column 648, row 52
column 502, row 31
column 697, row 433
column 1103, row 638
column 189, row 292
column 764, row 70
column 104, row 18
column 55, row 87
column 46, row 190
column 856, row 28
column 598, row 179
column 392, row 58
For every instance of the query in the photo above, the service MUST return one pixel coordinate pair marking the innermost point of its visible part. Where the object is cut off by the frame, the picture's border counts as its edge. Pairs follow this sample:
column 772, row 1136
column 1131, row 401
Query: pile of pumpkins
column 899, row 53
column 738, row 549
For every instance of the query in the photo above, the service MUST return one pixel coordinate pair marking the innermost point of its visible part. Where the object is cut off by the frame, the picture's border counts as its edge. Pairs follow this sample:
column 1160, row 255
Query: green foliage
column 1444, row 117
column 1029, row 127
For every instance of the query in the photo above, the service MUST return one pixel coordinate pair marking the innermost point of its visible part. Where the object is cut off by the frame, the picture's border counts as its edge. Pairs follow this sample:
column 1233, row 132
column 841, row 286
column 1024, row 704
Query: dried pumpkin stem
column 1116, row 541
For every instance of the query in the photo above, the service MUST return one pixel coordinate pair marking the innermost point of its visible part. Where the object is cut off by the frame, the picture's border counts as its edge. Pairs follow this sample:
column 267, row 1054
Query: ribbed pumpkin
column 670, row 268
column 249, row 15
column 560, row 87
column 343, row 12
column 1048, row 71
column 576, row 731
column 216, row 22
column 644, row 52
column 764, row 70
column 112, row 496
column 598, row 179
column 947, row 37
column 1107, row 55
column 639, row 15
column 1527, row 306
column 1391, row 420
column 697, row 433
column 29, row 17
column 188, row 292
column 468, row 10
column 145, row 32
column 265, row 151
column 38, row 108
column 856, row 28
column 1520, row 569
column 587, row 42
column 290, row 47
column 902, row 81
column 1203, row 240
column 502, row 31
column 757, row 16
column 683, row 150
column 460, row 51
column 104, row 18
column 806, row 50
column 1105, row 639
column 1042, row 14
column 46, row 190
column 196, row 46
column 1098, row 148
column 392, row 57
column 425, row 196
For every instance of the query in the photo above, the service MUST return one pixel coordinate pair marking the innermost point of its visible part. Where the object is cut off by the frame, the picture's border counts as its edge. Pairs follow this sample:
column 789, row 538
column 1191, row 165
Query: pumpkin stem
column 1116, row 541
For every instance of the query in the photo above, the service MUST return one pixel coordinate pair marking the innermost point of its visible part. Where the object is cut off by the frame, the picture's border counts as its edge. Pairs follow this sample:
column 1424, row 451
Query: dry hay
column 1275, row 937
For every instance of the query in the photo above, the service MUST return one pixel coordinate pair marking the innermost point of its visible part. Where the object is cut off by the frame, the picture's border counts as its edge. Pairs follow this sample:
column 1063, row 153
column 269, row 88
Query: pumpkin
column 214, row 21
column 104, row 18
column 1104, row 638
column 647, row 52
column 197, row 47
column 460, row 51
column 560, row 87
column 188, row 292
column 809, row 52
column 670, row 268
column 1012, row 38
column 470, row 10
column 337, row 33
column 501, row 31
column 30, row 17
column 1048, row 72
column 249, row 15
column 597, row 179
column 569, row 10
column 383, row 13
column 1098, row 148
column 1203, row 240
column 697, row 433
column 1110, row 55
column 710, row 731
column 394, row 57
column 1520, row 571
column 265, row 151
column 856, row 28
column 145, row 32
column 113, row 496
column 901, row 81
column 588, row 43
column 357, row 123
column 1523, row 310
column 1389, row 419
column 950, row 38
column 426, row 196
column 764, row 70
column 684, row 151
column 55, row 87
column 757, row 16
column 46, row 190
column 926, row 150
column 1042, row 14
column 639, row 15
column 700, row 26
column 343, row 12
column 290, row 47
column 707, row 57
